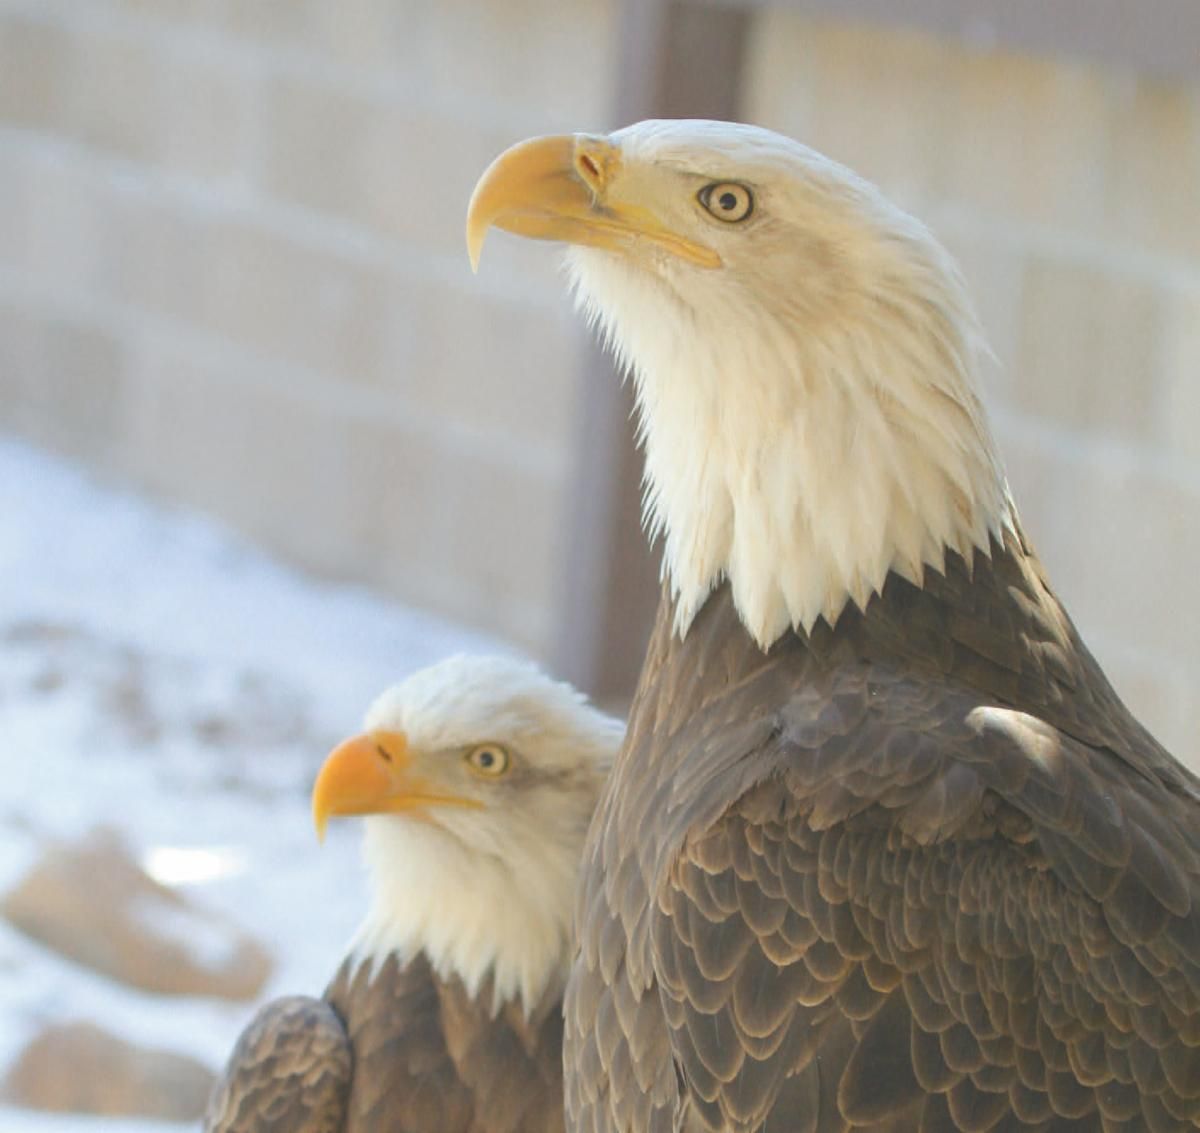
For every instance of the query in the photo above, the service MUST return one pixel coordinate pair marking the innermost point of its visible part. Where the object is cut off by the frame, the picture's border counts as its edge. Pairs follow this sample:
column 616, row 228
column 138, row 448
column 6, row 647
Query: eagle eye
column 489, row 760
column 727, row 201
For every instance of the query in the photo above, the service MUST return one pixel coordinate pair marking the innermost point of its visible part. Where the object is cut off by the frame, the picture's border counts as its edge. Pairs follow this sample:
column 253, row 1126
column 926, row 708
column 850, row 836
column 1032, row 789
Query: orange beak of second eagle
column 374, row 773
column 572, row 188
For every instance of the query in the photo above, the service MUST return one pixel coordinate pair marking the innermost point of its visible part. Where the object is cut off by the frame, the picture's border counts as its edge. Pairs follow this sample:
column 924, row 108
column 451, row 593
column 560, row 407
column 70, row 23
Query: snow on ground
column 160, row 677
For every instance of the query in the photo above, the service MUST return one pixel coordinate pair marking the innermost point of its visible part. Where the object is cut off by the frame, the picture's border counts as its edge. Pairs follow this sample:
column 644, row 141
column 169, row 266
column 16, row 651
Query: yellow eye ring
column 489, row 760
column 727, row 201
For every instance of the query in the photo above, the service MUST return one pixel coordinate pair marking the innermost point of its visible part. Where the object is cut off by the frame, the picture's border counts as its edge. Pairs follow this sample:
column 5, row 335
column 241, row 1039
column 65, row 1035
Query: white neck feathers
column 802, row 458
column 472, row 914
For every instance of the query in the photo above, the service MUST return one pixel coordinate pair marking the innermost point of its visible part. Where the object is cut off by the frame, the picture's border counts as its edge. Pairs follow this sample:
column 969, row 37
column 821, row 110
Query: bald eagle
column 478, row 777
column 883, row 850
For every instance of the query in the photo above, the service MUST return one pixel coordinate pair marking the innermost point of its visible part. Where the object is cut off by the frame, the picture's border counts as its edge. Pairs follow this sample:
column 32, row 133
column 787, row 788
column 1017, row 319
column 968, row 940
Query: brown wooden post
column 675, row 60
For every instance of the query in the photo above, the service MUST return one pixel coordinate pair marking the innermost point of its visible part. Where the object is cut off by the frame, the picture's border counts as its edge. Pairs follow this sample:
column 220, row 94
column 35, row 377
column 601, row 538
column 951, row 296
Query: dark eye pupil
column 486, row 759
column 728, row 201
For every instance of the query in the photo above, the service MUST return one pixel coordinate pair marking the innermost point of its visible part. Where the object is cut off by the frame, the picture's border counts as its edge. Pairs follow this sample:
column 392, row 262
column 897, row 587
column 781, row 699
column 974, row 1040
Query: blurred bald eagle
column 883, row 850
column 477, row 777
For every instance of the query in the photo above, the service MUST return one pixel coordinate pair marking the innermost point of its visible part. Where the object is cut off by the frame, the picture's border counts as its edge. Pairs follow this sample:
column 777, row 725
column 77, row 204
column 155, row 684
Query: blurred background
column 266, row 443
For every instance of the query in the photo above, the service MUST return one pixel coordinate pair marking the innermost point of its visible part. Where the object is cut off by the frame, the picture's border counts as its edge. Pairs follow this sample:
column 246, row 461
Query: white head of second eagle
column 853, row 442
column 477, row 778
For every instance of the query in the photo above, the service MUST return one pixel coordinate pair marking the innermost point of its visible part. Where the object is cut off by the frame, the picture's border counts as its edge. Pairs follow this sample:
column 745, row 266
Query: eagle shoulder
column 289, row 1072
column 931, row 912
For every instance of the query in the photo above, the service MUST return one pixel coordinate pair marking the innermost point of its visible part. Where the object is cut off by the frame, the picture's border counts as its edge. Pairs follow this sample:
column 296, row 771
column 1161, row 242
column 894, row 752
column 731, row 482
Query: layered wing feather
column 289, row 1073
column 921, row 871
column 396, row 1048
column 934, row 916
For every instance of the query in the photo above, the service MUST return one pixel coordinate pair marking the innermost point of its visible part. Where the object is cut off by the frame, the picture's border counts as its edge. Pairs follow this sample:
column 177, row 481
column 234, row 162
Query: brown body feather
column 921, row 871
column 399, row 1051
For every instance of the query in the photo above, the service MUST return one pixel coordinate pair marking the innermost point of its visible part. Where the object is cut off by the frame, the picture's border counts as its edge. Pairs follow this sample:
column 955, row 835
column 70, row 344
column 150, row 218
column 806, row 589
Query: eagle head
column 477, row 778
column 804, row 357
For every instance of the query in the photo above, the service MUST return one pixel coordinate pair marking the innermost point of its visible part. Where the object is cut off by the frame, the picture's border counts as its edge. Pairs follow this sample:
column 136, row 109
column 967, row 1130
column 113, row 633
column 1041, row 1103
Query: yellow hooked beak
column 373, row 774
column 560, row 188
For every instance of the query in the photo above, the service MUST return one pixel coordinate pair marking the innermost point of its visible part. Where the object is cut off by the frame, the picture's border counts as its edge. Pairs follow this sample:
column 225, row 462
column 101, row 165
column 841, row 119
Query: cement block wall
column 232, row 273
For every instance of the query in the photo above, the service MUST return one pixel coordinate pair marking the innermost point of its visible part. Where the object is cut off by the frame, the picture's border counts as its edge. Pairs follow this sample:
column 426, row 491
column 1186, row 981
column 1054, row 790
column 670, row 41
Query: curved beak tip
column 353, row 779
column 522, row 190
column 476, row 235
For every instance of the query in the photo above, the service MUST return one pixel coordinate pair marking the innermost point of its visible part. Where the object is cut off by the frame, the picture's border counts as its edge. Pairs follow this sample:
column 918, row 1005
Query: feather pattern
column 919, row 871
column 394, row 1047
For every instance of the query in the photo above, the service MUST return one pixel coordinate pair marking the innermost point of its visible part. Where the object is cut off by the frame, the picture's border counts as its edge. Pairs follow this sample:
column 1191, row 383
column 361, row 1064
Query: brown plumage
column 478, row 777
column 398, row 1048
column 919, row 872
column 883, row 850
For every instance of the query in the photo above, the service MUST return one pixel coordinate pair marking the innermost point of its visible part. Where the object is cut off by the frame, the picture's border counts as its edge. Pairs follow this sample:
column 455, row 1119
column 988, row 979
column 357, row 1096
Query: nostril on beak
column 590, row 166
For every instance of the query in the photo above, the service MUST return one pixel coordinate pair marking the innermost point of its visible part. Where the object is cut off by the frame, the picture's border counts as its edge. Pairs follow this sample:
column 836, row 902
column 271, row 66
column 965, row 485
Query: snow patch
column 178, row 865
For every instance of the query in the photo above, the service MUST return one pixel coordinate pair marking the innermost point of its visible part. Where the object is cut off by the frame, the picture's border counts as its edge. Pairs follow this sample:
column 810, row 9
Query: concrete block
column 872, row 98
column 83, row 390
column 298, row 304
column 197, row 13
column 397, row 478
column 1137, row 536
column 211, row 121
column 405, row 170
column 505, row 369
column 418, row 167
column 64, row 382
column 313, row 141
column 1153, row 197
column 1090, row 346
column 186, row 437
column 506, row 546
column 21, row 340
column 114, row 94
column 34, row 58
column 16, row 204
column 1026, row 137
column 1179, row 420
column 277, row 23
column 271, row 463
column 543, row 64
column 163, row 260
column 372, row 36
column 75, row 227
